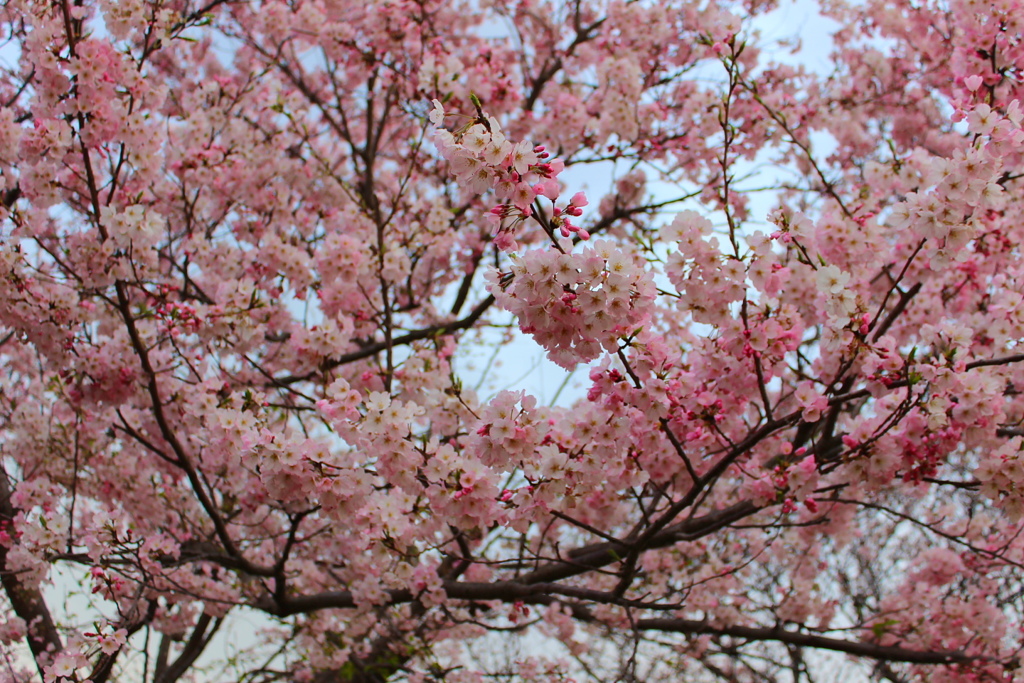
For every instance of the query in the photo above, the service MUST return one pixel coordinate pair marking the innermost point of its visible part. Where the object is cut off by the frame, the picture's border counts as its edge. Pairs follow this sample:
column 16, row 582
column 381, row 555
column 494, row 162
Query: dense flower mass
column 252, row 254
column 576, row 305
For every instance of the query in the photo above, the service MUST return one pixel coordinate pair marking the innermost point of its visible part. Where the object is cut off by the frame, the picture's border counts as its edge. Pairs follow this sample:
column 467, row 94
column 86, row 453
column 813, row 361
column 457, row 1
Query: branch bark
column 541, row 581
column 195, row 646
column 26, row 600
column 887, row 653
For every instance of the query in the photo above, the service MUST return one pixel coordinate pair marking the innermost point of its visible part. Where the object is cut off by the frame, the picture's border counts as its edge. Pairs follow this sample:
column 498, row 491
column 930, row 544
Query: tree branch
column 26, row 600
column 780, row 635
column 536, row 583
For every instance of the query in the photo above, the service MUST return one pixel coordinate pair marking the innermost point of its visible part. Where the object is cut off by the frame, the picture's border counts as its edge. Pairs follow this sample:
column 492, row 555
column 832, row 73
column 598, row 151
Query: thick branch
column 799, row 639
column 195, row 646
column 537, row 583
column 599, row 555
column 26, row 600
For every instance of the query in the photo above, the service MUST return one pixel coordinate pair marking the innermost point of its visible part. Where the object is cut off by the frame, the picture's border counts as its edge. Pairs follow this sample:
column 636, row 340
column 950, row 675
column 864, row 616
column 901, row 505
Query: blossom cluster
column 483, row 159
column 576, row 304
column 707, row 282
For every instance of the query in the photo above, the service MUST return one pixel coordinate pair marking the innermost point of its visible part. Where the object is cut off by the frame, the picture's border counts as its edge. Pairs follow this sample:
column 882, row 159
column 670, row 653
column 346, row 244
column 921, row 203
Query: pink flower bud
column 550, row 189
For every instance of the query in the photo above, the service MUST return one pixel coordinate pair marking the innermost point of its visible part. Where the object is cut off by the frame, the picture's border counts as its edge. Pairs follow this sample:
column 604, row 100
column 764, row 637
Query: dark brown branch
column 26, row 600
column 600, row 555
column 197, row 642
column 183, row 460
column 540, row 582
column 896, row 311
column 988, row 362
column 899, row 384
column 104, row 666
column 800, row 639
column 375, row 348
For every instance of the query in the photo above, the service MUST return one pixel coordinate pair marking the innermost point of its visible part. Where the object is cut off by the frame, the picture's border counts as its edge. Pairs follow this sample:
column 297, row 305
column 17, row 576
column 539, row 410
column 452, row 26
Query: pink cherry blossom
column 276, row 280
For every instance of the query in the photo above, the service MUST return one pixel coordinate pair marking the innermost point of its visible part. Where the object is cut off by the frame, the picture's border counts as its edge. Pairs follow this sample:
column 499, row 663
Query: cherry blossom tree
column 247, row 249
